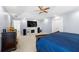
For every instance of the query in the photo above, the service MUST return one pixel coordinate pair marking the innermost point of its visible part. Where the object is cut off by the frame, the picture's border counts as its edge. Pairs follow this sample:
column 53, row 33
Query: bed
column 58, row 42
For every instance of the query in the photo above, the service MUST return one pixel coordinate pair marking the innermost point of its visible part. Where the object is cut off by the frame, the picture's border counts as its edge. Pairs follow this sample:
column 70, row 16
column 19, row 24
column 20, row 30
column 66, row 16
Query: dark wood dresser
column 8, row 41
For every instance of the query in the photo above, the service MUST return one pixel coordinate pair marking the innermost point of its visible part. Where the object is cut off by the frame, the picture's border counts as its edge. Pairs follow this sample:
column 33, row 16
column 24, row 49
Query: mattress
column 58, row 42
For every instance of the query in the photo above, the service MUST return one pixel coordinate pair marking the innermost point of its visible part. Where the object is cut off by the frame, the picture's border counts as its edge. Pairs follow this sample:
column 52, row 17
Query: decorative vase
column 11, row 28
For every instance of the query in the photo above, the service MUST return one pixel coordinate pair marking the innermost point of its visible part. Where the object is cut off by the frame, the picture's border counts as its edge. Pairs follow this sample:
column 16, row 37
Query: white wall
column 23, row 25
column 45, row 25
column 71, row 22
column 4, row 22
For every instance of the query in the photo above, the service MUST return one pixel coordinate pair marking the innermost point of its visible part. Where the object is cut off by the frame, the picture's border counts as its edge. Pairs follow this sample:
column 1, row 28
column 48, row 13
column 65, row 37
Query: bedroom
column 55, row 27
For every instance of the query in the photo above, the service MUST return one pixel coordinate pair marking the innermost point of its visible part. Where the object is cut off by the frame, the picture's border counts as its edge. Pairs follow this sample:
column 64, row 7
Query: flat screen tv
column 31, row 23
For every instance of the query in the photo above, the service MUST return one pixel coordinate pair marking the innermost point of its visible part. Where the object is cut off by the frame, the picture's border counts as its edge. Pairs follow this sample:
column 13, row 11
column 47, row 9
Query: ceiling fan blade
column 40, row 12
column 46, row 11
column 43, row 9
column 40, row 7
column 46, row 8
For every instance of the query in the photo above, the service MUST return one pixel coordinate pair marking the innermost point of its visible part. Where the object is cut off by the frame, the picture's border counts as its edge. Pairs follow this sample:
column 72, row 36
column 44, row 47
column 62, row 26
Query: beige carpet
column 26, row 43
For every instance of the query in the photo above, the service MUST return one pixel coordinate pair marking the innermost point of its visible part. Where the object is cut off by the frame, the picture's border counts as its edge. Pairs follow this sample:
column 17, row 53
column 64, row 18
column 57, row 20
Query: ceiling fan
column 43, row 9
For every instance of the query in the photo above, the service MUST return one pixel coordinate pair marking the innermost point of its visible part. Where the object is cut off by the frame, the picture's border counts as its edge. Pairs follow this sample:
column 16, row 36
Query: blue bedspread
column 58, row 42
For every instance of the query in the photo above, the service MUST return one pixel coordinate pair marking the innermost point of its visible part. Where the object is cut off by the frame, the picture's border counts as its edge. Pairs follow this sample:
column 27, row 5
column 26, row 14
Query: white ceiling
column 30, row 11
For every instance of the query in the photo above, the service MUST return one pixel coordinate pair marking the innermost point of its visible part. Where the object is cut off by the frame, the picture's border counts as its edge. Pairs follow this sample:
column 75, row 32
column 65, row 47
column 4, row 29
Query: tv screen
column 31, row 23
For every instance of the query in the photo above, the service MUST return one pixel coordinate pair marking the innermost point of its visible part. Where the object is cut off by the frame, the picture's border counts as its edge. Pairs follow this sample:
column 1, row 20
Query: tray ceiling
column 30, row 11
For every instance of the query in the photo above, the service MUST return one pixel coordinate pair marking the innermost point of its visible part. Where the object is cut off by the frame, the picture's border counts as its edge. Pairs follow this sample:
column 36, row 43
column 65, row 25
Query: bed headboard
column 39, row 36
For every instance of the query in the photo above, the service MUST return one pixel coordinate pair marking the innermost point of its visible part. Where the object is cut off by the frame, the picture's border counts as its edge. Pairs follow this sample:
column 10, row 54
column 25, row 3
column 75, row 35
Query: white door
column 57, row 25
